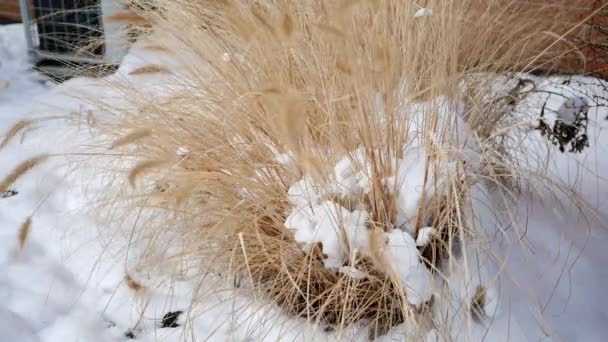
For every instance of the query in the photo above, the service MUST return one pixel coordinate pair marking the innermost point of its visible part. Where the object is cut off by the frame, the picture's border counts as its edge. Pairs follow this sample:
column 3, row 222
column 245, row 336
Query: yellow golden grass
column 154, row 47
column 20, row 170
column 142, row 167
column 148, row 69
column 128, row 17
column 132, row 284
column 13, row 131
column 131, row 137
column 312, row 81
column 24, row 231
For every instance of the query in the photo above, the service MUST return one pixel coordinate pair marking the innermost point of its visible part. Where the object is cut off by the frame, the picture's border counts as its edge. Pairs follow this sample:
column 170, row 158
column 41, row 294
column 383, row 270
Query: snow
column 66, row 283
column 352, row 272
column 352, row 174
column 570, row 109
column 303, row 192
column 424, row 236
column 182, row 151
column 340, row 231
column 316, row 219
column 313, row 222
column 15, row 328
column 330, row 224
column 402, row 255
column 409, row 186
column 17, row 82
column 423, row 12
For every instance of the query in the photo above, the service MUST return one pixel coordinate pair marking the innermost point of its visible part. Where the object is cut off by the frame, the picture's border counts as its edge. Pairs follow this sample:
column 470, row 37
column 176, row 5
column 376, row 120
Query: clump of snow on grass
column 340, row 231
column 352, row 174
column 408, row 187
column 316, row 216
column 423, row 12
column 402, row 256
column 331, row 225
column 303, row 192
column 352, row 272
column 182, row 151
column 424, row 236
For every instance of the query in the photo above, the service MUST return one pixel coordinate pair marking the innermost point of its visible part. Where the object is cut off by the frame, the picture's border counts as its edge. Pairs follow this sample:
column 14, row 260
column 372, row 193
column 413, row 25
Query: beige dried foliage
column 13, row 131
column 129, row 17
column 131, row 137
column 310, row 82
column 142, row 167
column 149, row 69
column 20, row 170
column 155, row 47
column 132, row 284
column 24, row 232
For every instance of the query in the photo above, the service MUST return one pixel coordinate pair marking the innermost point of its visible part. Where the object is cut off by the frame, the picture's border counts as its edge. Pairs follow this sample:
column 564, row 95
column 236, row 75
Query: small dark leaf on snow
column 130, row 335
column 170, row 319
column 8, row 193
column 478, row 303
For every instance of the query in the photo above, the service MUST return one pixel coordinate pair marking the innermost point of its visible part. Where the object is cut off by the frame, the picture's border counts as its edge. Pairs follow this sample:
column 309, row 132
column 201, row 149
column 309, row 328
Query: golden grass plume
column 20, row 170
column 24, row 231
column 13, row 131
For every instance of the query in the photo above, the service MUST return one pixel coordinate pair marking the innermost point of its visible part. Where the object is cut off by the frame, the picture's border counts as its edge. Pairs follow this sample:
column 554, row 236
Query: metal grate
column 68, row 27
column 67, row 34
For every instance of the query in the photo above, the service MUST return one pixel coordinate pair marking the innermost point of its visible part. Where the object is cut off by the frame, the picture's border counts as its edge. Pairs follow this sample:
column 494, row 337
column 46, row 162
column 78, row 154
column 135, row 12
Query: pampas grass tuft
column 20, row 170
column 273, row 93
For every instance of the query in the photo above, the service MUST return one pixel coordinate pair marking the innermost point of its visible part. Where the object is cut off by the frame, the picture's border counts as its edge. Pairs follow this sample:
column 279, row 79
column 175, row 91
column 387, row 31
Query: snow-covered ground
column 64, row 284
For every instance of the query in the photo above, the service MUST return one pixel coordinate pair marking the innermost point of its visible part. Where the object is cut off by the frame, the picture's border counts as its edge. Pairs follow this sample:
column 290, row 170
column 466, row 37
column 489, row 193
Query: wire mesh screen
column 68, row 27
